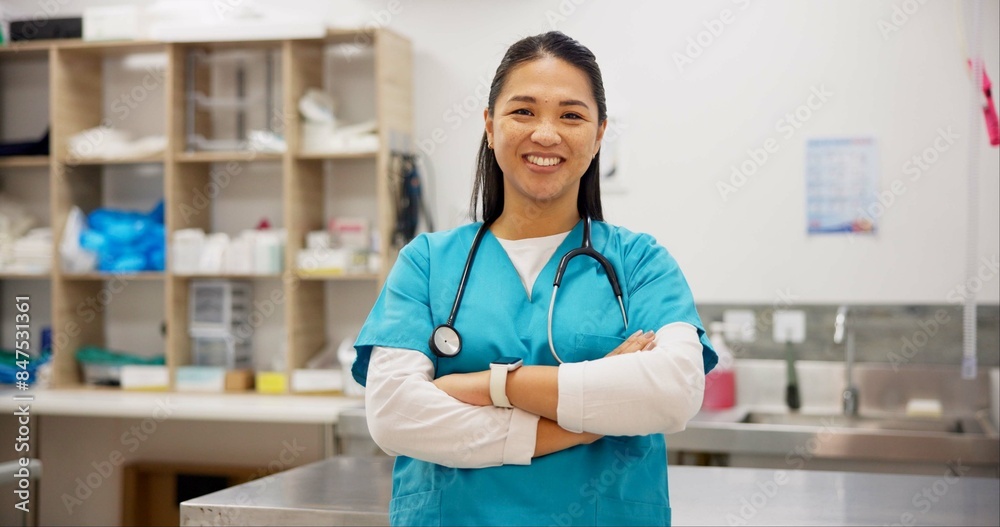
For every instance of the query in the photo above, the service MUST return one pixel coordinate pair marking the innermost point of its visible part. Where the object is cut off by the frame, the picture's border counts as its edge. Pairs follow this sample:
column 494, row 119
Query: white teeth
column 544, row 161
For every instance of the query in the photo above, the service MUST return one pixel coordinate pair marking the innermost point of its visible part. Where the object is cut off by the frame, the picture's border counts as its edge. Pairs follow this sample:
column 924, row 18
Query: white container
column 239, row 256
column 213, row 253
column 268, row 252
column 186, row 250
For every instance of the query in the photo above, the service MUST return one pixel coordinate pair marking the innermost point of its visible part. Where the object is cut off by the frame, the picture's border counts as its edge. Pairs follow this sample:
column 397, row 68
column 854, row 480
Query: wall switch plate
column 740, row 324
column 789, row 326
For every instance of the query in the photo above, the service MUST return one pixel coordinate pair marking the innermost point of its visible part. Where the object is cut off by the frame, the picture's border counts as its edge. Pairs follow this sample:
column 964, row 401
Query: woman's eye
column 522, row 111
column 573, row 116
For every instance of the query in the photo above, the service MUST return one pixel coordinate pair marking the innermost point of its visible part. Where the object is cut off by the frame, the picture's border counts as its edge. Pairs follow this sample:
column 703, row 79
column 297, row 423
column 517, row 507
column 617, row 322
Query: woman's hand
column 639, row 341
column 470, row 388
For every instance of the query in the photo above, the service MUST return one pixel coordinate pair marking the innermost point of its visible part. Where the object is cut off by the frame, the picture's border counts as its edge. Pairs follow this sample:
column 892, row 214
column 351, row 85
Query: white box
column 200, row 379
column 145, row 377
column 351, row 233
column 304, row 380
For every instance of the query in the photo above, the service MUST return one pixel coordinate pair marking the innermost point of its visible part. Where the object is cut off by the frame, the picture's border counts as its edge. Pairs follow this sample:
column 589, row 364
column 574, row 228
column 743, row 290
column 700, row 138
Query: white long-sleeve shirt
column 408, row 415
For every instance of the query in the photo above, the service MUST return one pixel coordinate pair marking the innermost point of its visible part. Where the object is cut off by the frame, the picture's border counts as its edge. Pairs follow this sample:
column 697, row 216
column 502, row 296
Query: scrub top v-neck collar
column 548, row 273
column 531, row 255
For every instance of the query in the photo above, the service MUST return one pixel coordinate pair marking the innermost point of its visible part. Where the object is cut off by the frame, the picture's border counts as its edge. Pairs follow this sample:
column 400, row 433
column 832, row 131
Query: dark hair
column 489, row 178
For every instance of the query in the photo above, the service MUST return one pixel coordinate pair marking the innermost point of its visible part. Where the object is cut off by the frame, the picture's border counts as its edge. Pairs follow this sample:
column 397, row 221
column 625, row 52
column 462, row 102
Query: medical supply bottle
column 720, row 383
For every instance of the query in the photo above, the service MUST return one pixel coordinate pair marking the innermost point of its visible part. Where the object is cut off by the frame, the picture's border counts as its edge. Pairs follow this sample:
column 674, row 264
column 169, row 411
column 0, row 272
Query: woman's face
column 545, row 132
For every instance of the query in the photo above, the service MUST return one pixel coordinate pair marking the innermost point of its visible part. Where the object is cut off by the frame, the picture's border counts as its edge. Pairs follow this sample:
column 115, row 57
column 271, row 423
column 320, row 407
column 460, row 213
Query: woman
column 576, row 443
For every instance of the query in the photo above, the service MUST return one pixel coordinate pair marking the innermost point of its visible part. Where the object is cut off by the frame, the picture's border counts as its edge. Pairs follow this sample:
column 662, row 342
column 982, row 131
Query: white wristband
column 498, row 380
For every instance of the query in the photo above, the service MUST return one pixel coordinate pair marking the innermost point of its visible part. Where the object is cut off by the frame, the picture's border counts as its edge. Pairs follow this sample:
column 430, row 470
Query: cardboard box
column 239, row 380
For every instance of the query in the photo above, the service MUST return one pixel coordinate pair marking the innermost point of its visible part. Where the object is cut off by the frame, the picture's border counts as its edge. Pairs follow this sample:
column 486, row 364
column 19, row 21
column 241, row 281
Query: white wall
column 685, row 128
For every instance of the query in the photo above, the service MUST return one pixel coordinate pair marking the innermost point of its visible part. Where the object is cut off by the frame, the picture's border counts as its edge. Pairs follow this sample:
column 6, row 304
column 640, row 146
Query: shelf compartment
column 94, row 86
column 227, row 94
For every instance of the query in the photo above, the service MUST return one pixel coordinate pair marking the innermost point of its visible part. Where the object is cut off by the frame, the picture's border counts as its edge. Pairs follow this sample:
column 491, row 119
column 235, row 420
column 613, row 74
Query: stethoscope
column 445, row 340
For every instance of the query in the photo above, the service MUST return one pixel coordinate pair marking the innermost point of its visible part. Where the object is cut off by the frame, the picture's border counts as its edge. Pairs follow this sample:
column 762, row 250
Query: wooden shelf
column 228, row 276
column 113, row 161
column 222, row 157
column 143, row 275
column 115, row 47
column 346, row 155
column 24, row 276
column 328, row 276
column 24, row 161
column 34, row 47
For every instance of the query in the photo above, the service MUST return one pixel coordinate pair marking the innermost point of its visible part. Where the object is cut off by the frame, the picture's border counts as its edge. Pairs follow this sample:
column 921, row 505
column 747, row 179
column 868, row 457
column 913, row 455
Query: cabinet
column 306, row 188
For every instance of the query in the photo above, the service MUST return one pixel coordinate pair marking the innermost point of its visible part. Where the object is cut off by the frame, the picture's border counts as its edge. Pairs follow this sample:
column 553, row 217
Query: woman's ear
column 489, row 126
column 600, row 136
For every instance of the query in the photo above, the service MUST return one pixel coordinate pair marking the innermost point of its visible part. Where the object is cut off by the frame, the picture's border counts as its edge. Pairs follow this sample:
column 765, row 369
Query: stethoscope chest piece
column 445, row 341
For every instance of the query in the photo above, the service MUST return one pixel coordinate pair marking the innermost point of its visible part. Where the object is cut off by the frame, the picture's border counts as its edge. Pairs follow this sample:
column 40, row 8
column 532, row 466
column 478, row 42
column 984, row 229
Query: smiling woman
column 490, row 424
column 546, row 130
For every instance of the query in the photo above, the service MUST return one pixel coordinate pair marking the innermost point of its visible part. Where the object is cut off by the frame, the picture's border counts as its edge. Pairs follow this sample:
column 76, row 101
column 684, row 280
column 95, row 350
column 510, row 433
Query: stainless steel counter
column 834, row 438
column 356, row 491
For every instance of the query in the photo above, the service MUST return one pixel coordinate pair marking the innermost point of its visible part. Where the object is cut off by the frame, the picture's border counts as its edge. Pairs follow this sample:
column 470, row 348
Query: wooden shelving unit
column 77, row 102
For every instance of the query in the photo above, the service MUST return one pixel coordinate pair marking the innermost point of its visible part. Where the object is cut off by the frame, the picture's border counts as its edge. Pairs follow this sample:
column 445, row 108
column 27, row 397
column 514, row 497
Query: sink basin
column 951, row 425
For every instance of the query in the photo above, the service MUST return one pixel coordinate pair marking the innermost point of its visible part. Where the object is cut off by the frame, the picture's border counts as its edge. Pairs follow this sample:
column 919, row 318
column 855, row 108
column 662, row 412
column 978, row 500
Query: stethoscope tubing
column 585, row 249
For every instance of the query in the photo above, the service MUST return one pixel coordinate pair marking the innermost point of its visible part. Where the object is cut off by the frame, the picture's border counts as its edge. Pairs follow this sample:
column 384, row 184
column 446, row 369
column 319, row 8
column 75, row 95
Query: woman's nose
column 546, row 134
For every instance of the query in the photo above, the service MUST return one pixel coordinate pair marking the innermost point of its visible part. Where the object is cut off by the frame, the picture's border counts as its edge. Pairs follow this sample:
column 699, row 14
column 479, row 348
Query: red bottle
column 720, row 383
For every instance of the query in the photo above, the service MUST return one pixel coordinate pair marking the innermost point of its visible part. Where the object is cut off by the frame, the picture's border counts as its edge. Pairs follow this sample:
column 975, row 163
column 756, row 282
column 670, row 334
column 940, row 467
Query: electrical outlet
column 740, row 325
column 789, row 326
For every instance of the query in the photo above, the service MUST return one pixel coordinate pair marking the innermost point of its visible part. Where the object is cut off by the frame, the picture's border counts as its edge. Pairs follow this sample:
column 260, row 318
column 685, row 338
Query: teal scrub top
column 613, row 481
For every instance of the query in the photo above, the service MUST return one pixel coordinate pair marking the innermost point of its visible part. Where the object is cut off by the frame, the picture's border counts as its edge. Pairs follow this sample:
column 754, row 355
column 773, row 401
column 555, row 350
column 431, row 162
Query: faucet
column 850, row 395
